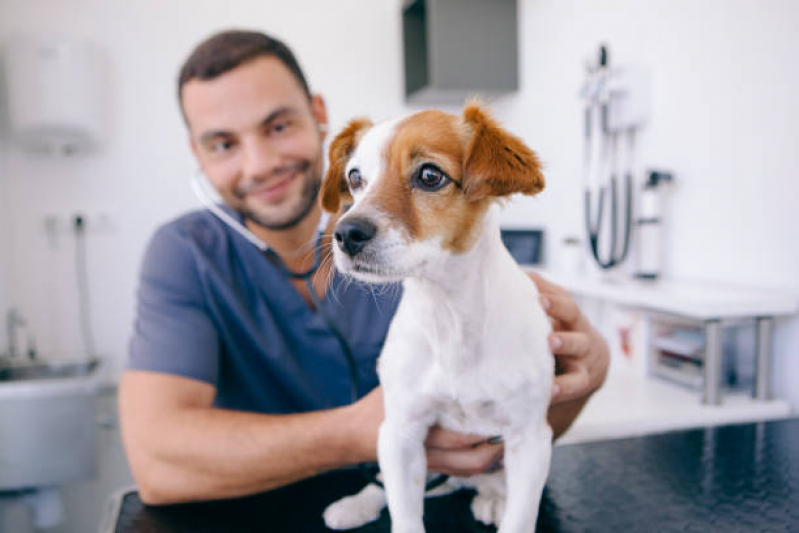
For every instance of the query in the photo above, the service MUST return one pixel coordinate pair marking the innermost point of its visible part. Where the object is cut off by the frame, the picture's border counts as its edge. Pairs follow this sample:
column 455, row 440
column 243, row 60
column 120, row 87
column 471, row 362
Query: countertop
column 727, row 478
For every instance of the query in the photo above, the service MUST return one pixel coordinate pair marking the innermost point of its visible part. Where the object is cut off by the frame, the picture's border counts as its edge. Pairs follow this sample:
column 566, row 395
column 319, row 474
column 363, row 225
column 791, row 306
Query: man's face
column 257, row 139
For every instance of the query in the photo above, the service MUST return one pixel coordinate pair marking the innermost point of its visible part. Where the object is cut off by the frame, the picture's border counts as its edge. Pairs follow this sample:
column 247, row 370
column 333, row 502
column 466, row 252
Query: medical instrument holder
column 620, row 98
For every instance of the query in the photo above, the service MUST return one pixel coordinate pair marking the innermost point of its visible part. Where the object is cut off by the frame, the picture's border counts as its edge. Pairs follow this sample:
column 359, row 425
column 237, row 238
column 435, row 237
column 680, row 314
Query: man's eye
column 430, row 178
column 220, row 146
column 280, row 127
column 355, row 179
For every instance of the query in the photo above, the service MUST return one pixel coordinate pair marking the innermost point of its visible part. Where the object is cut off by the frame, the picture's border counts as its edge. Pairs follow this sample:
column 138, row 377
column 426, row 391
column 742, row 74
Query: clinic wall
column 725, row 121
column 724, row 118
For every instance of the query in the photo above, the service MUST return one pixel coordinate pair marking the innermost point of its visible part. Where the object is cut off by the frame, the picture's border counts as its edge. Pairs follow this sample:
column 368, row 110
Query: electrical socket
column 56, row 224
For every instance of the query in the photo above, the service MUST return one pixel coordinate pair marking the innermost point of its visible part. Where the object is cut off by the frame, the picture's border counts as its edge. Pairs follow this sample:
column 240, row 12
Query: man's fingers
column 445, row 439
column 563, row 309
column 573, row 384
column 464, row 462
column 545, row 286
column 569, row 343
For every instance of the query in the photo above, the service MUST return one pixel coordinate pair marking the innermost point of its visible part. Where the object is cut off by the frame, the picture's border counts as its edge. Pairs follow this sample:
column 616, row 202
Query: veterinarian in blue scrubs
column 237, row 381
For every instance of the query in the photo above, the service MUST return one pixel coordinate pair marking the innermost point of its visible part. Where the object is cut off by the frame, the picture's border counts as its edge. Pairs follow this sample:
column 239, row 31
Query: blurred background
column 721, row 118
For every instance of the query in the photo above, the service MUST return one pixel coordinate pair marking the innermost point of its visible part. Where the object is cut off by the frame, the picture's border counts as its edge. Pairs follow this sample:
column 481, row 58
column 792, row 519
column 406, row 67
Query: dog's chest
column 485, row 406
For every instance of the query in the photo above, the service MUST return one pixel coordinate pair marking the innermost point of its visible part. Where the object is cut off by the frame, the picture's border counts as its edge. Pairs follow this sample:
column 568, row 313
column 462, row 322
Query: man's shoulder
column 198, row 228
column 179, row 245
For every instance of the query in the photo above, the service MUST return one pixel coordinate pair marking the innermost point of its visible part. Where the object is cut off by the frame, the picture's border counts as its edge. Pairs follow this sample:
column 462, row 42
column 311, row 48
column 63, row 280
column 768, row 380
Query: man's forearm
column 206, row 453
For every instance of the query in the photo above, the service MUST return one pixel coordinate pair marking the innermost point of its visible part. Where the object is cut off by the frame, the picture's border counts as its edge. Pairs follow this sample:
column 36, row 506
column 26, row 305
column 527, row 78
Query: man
column 236, row 382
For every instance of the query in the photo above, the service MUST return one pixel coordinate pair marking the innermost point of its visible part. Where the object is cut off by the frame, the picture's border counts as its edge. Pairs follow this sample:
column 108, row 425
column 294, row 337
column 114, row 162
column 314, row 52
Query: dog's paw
column 355, row 511
column 488, row 508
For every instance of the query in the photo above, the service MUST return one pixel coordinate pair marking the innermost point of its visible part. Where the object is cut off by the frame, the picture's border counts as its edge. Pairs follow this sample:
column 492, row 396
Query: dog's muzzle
column 353, row 234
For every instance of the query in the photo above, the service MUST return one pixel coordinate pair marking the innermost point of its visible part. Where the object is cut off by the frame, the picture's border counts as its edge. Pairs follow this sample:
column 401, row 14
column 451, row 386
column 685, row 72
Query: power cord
column 79, row 227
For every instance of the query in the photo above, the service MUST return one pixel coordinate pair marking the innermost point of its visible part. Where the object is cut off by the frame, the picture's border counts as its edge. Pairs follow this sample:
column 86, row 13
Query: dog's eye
column 431, row 178
column 354, row 177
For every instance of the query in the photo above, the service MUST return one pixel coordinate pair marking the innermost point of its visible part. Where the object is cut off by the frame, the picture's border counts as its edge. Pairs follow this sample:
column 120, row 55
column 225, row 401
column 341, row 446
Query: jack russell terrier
column 467, row 348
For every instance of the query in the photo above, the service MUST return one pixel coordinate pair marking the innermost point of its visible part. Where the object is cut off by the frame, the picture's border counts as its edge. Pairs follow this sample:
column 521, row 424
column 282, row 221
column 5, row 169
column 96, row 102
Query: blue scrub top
column 213, row 307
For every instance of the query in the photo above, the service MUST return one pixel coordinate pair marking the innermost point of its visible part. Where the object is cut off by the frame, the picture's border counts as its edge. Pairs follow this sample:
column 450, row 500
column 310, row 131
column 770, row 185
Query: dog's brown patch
column 483, row 160
column 497, row 163
column 335, row 192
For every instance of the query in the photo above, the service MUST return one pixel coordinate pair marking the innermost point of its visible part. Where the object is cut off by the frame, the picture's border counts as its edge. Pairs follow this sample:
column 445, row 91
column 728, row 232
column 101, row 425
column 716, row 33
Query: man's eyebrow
column 208, row 136
column 277, row 113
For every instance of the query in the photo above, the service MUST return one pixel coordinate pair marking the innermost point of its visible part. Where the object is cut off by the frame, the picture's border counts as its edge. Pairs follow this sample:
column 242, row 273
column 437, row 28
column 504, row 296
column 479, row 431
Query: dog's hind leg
column 356, row 510
column 527, row 459
column 488, row 505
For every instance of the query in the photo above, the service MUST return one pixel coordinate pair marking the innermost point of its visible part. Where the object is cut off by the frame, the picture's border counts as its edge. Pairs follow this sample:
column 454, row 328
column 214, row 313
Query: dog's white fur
column 467, row 350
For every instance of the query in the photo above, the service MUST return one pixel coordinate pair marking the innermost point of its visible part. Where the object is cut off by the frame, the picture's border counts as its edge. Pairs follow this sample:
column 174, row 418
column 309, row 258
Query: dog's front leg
column 403, row 464
column 527, row 457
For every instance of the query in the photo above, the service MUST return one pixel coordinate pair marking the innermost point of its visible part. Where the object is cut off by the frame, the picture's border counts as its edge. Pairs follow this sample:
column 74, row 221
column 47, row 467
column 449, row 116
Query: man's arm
column 181, row 448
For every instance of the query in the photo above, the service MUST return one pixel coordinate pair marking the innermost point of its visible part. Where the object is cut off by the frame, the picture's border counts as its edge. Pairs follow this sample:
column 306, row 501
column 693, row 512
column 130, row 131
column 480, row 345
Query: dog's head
column 411, row 191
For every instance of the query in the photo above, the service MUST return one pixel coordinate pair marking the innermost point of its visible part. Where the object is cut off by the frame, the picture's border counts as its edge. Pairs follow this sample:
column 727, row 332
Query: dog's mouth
column 370, row 267
column 373, row 273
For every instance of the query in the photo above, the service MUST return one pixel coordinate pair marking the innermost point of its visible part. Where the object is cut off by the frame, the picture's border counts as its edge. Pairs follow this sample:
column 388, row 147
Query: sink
column 47, row 423
column 51, row 370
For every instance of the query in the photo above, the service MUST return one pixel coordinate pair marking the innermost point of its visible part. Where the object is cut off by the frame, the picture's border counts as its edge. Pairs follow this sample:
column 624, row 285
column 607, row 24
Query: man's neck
column 296, row 245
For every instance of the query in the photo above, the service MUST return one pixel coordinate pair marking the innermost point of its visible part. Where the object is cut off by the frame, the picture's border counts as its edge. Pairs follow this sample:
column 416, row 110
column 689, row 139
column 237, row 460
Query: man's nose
column 353, row 234
column 260, row 157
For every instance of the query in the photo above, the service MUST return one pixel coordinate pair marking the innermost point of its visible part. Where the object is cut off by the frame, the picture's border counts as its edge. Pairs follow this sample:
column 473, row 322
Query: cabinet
column 676, row 350
column 456, row 49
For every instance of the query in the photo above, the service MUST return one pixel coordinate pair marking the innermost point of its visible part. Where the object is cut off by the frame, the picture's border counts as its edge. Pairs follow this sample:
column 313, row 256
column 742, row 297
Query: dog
column 467, row 348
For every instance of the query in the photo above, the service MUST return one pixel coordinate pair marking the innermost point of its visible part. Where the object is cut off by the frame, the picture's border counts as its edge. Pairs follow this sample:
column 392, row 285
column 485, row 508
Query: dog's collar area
column 272, row 255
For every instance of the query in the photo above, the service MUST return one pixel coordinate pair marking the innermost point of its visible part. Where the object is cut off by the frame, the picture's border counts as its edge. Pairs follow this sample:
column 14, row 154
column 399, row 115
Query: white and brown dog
column 467, row 348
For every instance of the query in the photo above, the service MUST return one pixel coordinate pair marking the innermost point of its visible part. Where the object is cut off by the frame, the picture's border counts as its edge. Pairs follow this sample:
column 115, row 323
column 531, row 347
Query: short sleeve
column 173, row 331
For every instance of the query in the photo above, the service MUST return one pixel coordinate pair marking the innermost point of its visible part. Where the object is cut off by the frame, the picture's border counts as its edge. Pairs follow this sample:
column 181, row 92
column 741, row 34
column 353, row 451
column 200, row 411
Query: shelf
column 701, row 301
column 630, row 405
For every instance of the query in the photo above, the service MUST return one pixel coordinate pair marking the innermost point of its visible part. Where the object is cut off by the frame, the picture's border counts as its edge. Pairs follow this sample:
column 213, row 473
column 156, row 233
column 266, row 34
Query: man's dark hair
column 227, row 50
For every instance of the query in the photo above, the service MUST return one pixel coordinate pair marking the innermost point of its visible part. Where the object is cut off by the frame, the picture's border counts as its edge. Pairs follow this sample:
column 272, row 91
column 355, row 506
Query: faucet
column 14, row 321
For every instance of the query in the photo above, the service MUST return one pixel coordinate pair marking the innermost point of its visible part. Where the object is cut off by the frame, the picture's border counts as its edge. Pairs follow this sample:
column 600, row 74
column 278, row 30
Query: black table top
column 730, row 478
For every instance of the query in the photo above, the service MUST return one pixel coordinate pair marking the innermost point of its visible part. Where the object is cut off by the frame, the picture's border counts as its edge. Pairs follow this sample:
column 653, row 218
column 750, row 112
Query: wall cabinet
column 456, row 49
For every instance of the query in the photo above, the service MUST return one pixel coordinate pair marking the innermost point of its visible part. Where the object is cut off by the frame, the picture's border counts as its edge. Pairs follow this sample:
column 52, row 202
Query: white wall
column 724, row 120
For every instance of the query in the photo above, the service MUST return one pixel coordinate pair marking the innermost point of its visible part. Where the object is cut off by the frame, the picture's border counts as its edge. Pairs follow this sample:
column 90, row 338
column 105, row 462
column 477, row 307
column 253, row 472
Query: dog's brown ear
column 496, row 162
column 335, row 191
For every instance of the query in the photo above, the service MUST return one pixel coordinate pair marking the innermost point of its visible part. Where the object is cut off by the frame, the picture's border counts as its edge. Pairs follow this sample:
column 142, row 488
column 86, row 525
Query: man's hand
column 457, row 454
column 581, row 355
column 447, row 452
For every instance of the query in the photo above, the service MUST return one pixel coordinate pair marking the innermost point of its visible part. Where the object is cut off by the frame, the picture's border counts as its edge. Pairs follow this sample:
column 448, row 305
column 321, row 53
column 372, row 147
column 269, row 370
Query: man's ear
column 319, row 111
column 496, row 162
column 334, row 188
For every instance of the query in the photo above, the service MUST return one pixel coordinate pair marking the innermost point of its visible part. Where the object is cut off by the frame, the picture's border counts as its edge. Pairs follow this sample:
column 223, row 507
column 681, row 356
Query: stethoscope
column 203, row 194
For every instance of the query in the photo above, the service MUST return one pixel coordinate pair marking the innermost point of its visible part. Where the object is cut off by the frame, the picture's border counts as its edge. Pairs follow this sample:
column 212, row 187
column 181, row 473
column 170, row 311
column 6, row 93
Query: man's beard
column 308, row 197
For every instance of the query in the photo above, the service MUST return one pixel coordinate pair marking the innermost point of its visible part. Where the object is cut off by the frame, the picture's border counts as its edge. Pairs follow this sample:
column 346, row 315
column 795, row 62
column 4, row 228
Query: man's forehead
column 243, row 96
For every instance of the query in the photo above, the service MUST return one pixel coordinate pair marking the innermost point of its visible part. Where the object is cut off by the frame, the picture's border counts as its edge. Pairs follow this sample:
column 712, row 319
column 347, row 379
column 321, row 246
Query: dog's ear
column 335, row 191
column 496, row 163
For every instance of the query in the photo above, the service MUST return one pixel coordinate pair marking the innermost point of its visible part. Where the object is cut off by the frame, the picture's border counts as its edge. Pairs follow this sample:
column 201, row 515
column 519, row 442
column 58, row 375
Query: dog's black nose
column 352, row 235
